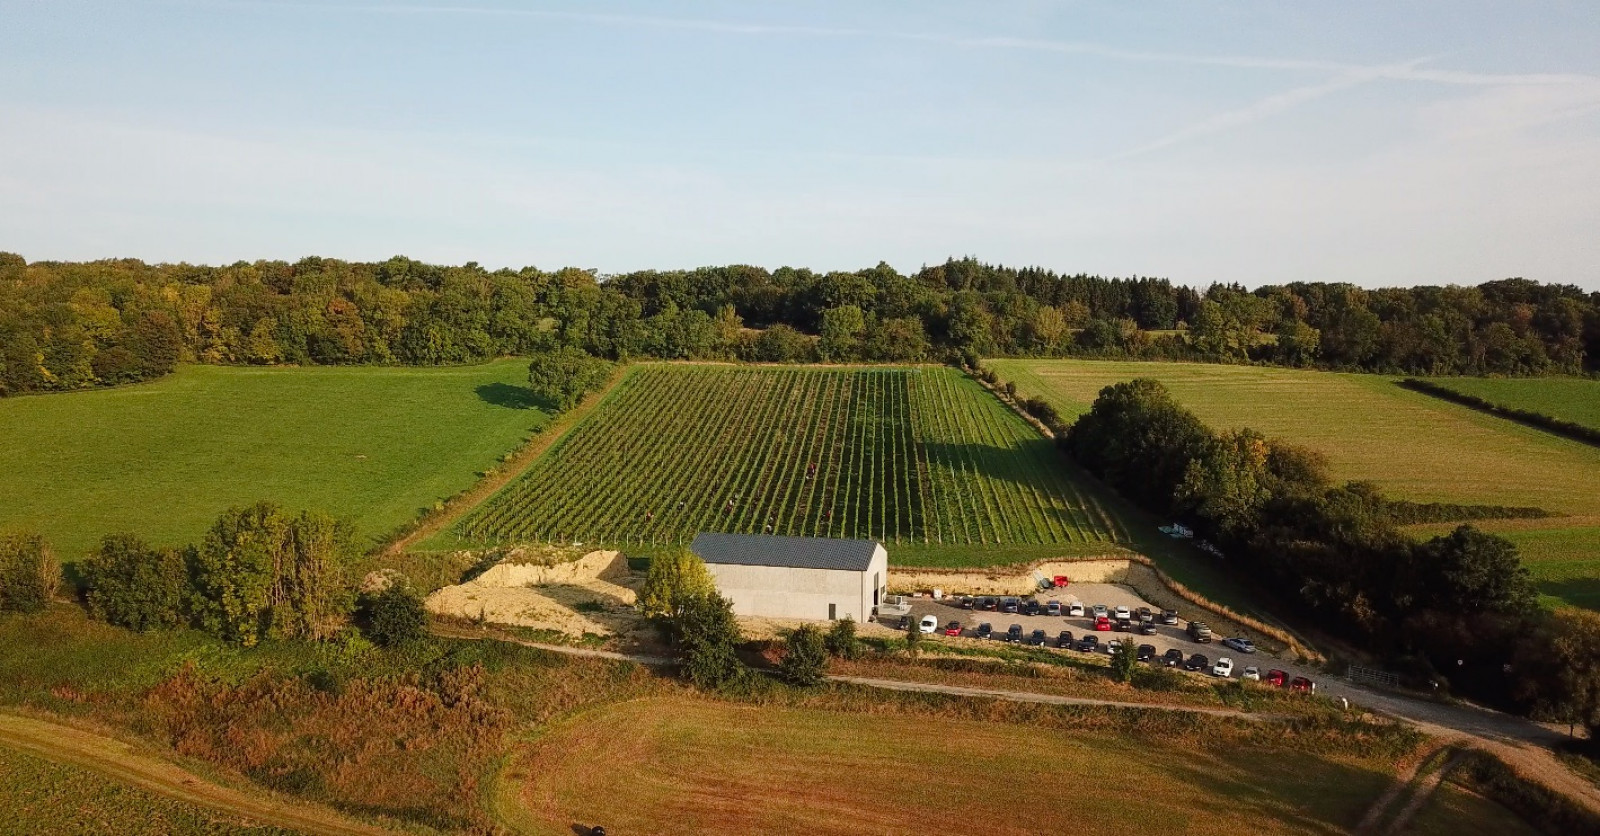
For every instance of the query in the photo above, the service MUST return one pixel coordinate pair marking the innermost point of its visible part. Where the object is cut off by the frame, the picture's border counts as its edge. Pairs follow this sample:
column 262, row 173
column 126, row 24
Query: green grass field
column 1572, row 399
column 1414, row 446
column 919, row 456
column 694, row 766
column 43, row 797
column 163, row 459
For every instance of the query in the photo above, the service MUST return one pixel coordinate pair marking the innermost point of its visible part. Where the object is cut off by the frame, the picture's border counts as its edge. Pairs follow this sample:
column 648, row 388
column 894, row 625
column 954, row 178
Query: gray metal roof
column 791, row 552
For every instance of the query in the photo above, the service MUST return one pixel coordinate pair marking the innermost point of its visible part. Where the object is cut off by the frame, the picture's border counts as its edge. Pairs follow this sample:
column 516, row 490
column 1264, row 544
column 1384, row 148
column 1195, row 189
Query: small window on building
column 833, row 612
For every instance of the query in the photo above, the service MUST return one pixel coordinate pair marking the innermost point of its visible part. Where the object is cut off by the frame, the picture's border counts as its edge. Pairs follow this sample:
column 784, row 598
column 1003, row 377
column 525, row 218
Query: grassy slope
column 1415, row 446
column 1453, row 811
column 43, row 797
column 695, row 766
column 163, row 459
column 1572, row 399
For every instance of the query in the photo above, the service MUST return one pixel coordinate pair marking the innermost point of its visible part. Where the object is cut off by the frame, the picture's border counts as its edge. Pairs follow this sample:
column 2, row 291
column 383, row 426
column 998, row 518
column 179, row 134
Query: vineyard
column 915, row 456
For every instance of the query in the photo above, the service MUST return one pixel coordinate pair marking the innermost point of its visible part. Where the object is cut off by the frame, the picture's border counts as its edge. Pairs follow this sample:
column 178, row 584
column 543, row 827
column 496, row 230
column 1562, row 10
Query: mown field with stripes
column 906, row 456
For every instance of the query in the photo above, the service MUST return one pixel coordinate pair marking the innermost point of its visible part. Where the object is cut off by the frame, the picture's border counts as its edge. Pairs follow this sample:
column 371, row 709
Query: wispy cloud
column 1410, row 71
column 1263, row 108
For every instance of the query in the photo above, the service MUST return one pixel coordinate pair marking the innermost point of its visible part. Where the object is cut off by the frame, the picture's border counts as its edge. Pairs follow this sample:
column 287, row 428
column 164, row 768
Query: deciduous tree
column 133, row 585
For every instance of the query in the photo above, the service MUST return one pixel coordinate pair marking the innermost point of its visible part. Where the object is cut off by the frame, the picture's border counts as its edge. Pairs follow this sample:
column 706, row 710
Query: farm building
column 796, row 577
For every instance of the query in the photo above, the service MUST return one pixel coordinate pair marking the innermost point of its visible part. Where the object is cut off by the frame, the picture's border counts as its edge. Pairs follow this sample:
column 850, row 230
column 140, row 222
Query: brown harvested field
column 686, row 765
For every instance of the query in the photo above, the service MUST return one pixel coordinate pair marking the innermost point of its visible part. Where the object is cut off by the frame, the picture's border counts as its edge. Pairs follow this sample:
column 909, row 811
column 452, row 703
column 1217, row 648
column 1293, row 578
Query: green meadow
column 1414, row 446
column 1574, row 399
column 373, row 445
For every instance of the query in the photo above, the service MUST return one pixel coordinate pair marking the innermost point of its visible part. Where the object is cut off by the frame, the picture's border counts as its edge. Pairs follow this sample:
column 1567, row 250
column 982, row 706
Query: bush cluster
column 258, row 573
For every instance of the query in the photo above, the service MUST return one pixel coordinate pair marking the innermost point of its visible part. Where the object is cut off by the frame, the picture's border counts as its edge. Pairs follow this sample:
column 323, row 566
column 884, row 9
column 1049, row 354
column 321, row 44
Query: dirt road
column 122, row 762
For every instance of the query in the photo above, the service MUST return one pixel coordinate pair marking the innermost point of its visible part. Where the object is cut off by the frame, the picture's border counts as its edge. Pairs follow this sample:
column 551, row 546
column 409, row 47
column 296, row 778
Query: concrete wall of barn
column 787, row 592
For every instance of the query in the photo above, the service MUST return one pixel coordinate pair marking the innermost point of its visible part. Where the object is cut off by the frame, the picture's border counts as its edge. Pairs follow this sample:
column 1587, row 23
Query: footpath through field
column 122, row 762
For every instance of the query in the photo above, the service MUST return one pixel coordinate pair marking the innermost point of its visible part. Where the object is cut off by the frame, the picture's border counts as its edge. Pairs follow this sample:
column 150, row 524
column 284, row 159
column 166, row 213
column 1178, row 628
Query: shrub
column 29, row 573
column 1125, row 661
column 132, row 585
column 913, row 637
column 710, row 635
column 841, row 639
column 806, row 661
column 394, row 616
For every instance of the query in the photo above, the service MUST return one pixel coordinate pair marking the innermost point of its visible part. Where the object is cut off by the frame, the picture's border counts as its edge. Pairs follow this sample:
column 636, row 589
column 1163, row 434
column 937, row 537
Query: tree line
column 72, row 325
column 1458, row 608
column 260, row 573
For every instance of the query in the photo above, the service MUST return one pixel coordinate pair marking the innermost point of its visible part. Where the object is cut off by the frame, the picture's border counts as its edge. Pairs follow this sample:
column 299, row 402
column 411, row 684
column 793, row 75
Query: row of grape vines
column 920, row 455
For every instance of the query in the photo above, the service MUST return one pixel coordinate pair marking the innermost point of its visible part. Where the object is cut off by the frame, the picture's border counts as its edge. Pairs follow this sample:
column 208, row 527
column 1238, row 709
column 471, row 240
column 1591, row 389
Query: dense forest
column 74, row 325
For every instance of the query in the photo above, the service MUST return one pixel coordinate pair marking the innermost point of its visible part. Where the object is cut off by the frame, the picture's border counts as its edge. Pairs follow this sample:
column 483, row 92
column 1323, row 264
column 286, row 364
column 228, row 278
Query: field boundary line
column 1559, row 427
column 458, row 506
column 124, row 763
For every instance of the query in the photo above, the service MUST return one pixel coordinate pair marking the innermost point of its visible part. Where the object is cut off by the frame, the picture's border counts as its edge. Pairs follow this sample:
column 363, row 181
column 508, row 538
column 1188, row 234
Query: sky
column 1380, row 143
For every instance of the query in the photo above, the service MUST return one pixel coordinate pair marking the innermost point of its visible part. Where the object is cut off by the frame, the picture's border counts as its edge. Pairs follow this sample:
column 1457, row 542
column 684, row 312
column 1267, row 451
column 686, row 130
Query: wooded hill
column 67, row 325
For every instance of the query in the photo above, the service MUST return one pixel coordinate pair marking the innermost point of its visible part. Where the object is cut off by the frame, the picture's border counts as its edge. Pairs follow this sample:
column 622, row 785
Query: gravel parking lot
column 1112, row 596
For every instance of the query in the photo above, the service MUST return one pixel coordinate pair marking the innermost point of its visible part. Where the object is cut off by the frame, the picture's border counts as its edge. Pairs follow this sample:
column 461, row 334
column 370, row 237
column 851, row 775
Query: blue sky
column 1380, row 143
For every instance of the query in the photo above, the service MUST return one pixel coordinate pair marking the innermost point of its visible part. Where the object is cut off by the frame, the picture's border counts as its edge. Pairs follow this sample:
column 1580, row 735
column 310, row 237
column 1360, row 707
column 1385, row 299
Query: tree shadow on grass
column 1579, row 592
column 512, row 397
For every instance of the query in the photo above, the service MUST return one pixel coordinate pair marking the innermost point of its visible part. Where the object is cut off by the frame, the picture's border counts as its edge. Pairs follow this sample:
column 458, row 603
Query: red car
column 1102, row 624
column 1302, row 684
column 953, row 628
column 1061, row 581
column 1276, row 677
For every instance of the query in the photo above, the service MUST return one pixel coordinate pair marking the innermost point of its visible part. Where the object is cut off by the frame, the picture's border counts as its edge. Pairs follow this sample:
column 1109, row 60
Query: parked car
column 1038, row 638
column 1089, row 643
column 953, row 628
column 1032, row 607
column 1146, row 628
column 1239, row 643
column 1121, row 626
column 985, row 630
column 1145, row 615
column 1198, row 631
column 1060, row 581
column 1064, row 640
column 1277, row 677
column 928, row 624
column 1251, row 673
column 1300, row 683
column 988, row 603
column 1147, row 652
column 968, row 602
column 1052, row 608
column 1010, row 603
column 1197, row 662
column 1112, row 646
column 1223, row 668
column 1102, row 624
column 1169, row 617
column 1075, row 609
column 1122, row 614
column 1099, row 611
column 1014, row 633
column 1172, row 658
